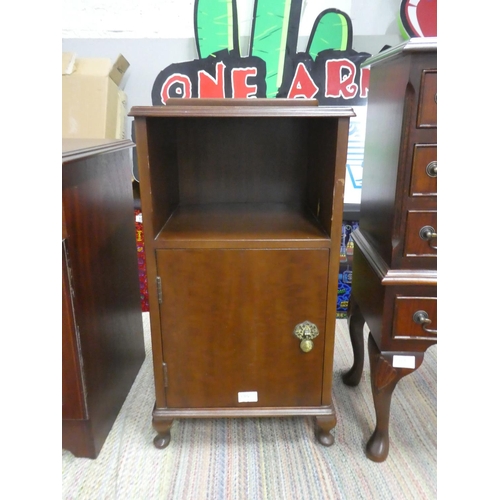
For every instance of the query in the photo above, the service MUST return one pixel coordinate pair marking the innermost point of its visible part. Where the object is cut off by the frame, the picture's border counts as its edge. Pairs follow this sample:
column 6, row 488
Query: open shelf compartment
column 231, row 173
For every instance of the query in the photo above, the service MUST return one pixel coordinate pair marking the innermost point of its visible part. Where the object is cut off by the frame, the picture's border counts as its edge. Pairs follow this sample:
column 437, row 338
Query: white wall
column 174, row 18
column 152, row 34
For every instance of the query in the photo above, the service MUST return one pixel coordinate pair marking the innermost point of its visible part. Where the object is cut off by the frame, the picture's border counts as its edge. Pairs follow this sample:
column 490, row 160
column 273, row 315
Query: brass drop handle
column 422, row 318
column 306, row 332
column 428, row 233
column 432, row 169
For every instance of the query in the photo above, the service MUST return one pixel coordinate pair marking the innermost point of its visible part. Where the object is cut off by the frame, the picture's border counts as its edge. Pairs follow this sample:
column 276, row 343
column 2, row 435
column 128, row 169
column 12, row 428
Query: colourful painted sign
column 418, row 18
column 329, row 70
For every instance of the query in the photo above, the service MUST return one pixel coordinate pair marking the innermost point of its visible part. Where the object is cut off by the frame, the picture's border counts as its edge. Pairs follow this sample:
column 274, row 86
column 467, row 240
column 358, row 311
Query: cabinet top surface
column 241, row 108
column 73, row 149
column 411, row 46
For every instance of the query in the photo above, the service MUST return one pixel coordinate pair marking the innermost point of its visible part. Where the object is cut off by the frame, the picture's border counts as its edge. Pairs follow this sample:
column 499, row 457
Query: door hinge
column 158, row 289
column 165, row 375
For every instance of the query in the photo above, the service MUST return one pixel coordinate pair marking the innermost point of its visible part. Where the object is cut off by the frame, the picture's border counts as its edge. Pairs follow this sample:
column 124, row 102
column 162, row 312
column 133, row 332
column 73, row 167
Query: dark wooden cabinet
column 242, row 210
column 394, row 278
column 102, row 333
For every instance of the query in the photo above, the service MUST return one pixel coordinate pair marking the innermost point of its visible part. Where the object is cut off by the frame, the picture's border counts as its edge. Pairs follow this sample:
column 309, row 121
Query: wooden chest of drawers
column 394, row 287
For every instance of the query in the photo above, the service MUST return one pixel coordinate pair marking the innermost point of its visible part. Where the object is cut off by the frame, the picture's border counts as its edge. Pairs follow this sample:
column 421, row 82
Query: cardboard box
column 93, row 104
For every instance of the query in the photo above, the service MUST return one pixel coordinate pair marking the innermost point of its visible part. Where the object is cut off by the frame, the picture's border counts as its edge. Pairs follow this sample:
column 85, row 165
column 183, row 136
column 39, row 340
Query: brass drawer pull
column 306, row 332
column 428, row 233
column 432, row 169
column 422, row 318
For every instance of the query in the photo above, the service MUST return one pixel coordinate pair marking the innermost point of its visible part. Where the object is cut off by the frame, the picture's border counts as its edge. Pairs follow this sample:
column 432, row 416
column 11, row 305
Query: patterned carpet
column 278, row 459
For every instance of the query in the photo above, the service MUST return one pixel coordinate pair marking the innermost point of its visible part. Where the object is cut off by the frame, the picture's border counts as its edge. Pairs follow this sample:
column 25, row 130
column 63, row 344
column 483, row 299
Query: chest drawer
column 415, row 318
column 424, row 170
column 427, row 106
column 421, row 233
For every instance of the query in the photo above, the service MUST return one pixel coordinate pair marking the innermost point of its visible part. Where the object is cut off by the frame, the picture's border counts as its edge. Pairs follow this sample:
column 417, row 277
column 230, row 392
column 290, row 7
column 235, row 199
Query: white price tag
column 399, row 361
column 248, row 397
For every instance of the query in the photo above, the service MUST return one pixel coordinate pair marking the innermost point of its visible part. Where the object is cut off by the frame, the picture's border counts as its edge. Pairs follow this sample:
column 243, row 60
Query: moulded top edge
column 75, row 148
column 423, row 44
column 232, row 110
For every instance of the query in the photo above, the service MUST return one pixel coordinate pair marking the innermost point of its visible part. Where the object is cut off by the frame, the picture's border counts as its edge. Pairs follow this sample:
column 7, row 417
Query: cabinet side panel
column 338, row 146
column 159, row 198
column 158, row 172
column 77, row 438
column 384, row 125
column 322, row 141
column 369, row 293
column 98, row 203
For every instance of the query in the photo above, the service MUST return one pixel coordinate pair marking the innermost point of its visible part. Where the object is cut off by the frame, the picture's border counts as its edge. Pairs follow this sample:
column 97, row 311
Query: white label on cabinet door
column 247, row 397
column 399, row 361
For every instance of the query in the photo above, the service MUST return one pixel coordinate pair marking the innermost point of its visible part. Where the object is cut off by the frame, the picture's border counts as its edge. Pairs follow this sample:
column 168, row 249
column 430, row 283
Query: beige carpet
column 278, row 459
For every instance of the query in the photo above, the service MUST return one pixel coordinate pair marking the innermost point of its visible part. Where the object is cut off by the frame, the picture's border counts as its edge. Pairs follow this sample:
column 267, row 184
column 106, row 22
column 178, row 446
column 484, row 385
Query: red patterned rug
column 141, row 260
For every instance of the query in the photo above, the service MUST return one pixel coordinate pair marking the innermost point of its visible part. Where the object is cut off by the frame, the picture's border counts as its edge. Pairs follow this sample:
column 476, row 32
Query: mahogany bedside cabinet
column 102, row 332
column 242, row 210
column 394, row 276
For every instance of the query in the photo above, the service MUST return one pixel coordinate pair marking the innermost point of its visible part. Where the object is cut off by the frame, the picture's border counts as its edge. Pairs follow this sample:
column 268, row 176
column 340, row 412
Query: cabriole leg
column 384, row 378
column 356, row 323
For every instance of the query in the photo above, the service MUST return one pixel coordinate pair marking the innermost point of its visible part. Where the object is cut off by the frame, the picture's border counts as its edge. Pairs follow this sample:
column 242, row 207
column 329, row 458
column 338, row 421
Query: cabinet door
column 228, row 319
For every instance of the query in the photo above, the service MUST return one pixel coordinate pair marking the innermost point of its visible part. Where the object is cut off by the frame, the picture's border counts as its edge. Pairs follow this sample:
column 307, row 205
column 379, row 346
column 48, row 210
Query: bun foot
column 161, row 441
column 323, row 427
column 162, row 427
column 325, row 438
